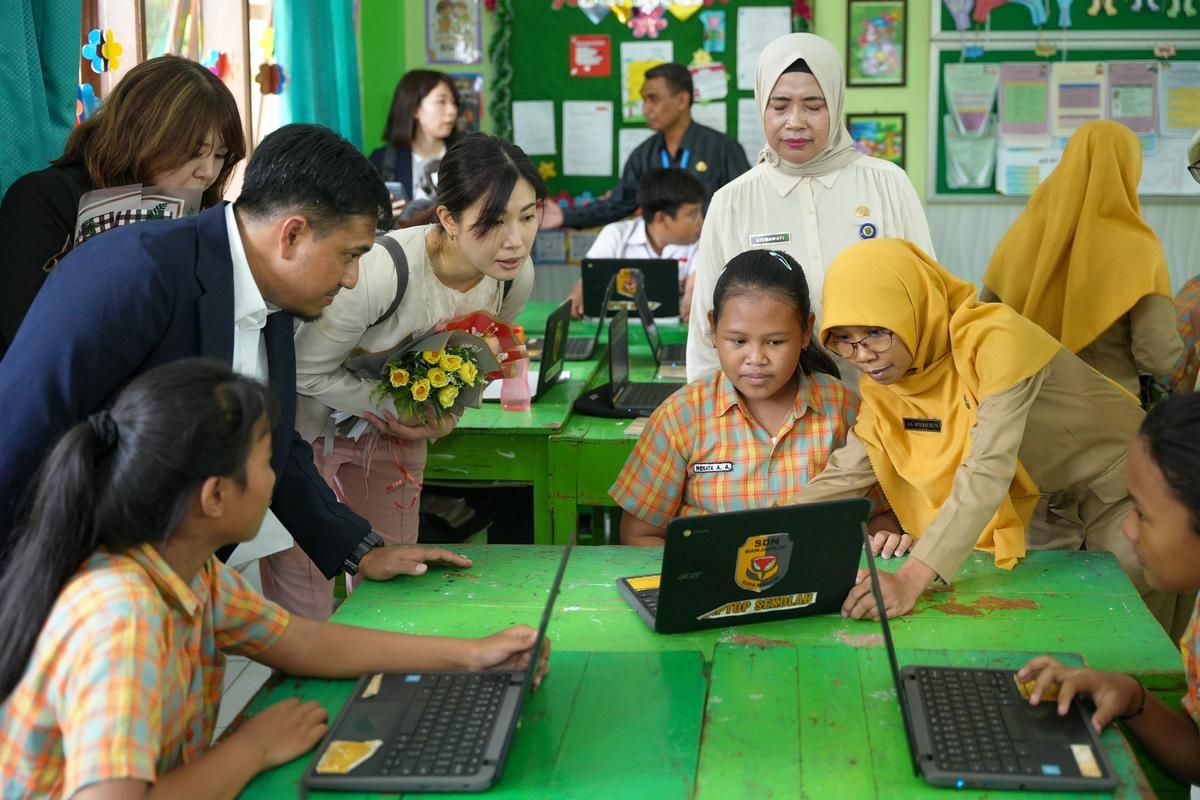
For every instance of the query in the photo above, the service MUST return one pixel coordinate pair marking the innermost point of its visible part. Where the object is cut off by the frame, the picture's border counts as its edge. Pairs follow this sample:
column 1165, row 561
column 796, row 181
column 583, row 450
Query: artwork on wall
column 469, row 86
column 879, row 135
column 453, row 32
column 876, row 50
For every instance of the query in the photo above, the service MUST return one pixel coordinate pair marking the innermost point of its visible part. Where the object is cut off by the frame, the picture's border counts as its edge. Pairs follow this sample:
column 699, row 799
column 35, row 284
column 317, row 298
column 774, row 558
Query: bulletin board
column 541, row 70
column 1018, row 16
column 949, row 50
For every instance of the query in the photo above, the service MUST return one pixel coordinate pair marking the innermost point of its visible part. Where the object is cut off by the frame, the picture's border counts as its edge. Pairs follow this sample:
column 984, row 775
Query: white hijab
column 826, row 66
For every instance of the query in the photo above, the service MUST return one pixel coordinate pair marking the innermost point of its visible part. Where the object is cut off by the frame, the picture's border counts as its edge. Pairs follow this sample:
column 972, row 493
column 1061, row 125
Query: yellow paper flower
column 450, row 362
column 420, row 391
column 398, row 377
column 468, row 372
column 447, row 395
column 432, row 356
column 438, row 377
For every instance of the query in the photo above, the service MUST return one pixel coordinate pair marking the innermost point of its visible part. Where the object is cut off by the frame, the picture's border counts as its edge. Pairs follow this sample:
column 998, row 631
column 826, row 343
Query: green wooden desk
column 767, row 682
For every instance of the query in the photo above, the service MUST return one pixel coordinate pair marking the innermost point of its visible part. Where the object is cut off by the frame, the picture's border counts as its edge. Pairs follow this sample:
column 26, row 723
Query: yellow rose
column 450, row 362
column 420, row 391
column 468, row 372
column 398, row 377
column 446, row 396
column 432, row 356
column 438, row 377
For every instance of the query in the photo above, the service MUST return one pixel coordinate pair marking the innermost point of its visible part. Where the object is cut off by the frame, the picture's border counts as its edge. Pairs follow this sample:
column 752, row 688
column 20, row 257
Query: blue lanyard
column 666, row 159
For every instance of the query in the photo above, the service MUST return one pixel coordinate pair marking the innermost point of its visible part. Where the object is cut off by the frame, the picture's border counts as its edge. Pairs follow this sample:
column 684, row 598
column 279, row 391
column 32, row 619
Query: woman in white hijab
column 811, row 193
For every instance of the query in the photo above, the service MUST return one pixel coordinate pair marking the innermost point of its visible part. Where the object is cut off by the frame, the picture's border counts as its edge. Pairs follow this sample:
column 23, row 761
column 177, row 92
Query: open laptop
column 553, row 346
column 971, row 728
column 635, row 399
column 664, row 354
column 751, row 566
column 659, row 277
column 431, row 731
column 581, row 348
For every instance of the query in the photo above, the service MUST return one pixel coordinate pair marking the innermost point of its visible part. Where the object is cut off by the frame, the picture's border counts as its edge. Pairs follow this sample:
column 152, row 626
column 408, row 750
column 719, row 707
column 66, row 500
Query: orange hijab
column 1080, row 256
column 963, row 352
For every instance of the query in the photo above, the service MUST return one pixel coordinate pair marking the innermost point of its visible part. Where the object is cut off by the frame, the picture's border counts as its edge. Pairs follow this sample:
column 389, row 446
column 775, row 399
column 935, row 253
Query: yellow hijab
column 1080, row 256
column 963, row 352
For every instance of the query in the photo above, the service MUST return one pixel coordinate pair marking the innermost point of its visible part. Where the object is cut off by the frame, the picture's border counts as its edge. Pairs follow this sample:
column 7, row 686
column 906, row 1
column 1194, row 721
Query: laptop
column 635, row 399
column 580, row 348
column 751, row 566
column 429, row 731
column 971, row 728
column 658, row 276
column 664, row 354
column 553, row 345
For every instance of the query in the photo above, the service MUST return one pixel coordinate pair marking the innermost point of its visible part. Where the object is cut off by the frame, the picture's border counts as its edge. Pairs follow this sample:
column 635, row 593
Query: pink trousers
column 386, row 490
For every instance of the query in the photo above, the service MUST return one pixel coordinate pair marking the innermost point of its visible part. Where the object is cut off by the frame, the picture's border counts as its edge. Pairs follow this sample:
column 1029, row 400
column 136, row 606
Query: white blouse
column 324, row 384
column 810, row 219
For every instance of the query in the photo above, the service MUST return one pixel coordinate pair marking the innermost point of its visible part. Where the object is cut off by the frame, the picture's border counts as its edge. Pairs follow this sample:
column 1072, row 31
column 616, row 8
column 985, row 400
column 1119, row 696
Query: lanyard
column 666, row 159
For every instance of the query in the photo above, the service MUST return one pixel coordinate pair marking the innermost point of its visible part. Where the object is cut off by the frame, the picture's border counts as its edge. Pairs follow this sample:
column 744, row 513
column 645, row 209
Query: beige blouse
column 324, row 385
column 1068, row 425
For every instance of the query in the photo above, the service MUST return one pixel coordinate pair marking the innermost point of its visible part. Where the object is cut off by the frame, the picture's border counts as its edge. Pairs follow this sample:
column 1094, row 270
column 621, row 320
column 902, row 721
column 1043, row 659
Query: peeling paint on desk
column 756, row 641
column 755, row 696
column 506, row 454
column 859, row 639
column 883, row 695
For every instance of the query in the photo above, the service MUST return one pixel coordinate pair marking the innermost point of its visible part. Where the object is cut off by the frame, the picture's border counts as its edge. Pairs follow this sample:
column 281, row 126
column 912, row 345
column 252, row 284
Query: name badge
column 712, row 466
column 769, row 238
column 930, row 425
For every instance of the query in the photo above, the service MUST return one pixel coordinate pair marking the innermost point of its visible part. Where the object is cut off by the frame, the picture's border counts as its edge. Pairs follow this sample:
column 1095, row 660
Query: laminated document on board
column 588, row 137
column 1179, row 98
column 1024, row 99
column 970, row 160
column 970, row 93
column 1077, row 94
column 1133, row 95
column 533, row 126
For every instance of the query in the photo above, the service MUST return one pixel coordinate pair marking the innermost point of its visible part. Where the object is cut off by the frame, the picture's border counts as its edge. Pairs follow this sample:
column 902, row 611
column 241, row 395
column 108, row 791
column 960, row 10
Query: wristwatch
column 369, row 543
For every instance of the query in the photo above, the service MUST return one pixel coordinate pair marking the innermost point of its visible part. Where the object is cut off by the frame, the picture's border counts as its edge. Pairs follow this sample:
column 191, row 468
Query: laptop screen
column 643, row 307
column 618, row 352
column 545, row 623
column 659, row 277
column 554, row 346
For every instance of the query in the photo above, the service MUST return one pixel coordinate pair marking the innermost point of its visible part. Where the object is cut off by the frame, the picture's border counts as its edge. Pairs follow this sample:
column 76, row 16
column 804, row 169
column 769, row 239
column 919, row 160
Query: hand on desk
column 384, row 563
column 283, row 731
column 511, row 649
column 900, row 591
column 888, row 544
column 1113, row 694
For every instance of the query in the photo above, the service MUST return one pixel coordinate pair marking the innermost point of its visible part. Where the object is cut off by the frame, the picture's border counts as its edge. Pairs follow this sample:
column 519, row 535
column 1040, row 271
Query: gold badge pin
column 701, row 166
column 862, row 211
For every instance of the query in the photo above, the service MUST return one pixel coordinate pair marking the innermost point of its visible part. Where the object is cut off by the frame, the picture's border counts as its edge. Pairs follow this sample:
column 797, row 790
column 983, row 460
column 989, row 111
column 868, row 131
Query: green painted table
column 790, row 705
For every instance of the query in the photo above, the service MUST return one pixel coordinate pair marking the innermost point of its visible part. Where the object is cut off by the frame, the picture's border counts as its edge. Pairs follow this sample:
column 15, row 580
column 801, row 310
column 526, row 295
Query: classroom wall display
column 469, row 86
column 879, row 135
column 876, row 34
column 453, row 32
column 1078, row 18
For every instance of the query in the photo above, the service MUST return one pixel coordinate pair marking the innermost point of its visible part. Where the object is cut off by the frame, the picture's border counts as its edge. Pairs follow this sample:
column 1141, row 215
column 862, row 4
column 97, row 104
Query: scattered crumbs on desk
column 859, row 639
column 635, row 428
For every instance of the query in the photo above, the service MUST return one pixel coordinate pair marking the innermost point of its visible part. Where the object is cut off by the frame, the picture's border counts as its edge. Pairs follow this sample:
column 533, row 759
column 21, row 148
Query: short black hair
column 311, row 170
column 666, row 190
column 1171, row 431
column 676, row 76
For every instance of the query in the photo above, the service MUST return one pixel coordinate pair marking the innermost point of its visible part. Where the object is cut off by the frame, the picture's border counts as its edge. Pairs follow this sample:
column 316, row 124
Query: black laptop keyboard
column 649, row 598
column 446, row 729
column 579, row 347
column 974, row 721
column 646, row 395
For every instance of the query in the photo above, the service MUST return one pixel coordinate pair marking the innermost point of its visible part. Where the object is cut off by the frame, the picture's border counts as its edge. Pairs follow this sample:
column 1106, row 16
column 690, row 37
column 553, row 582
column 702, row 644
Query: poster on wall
column 469, row 86
column 878, row 135
column 591, row 56
column 876, row 31
column 453, row 32
column 636, row 59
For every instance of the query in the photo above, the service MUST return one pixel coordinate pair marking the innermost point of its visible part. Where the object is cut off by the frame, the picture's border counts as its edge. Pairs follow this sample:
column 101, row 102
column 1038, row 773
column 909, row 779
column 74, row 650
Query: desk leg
column 564, row 487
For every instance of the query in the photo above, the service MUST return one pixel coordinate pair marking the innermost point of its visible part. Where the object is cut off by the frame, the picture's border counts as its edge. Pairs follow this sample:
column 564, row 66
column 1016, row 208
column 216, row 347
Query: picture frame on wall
column 453, row 32
column 876, row 42
column 880, row 135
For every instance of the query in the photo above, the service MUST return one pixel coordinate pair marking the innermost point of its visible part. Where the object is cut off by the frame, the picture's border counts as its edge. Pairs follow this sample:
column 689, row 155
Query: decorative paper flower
column 801, row 9
column 648, row 23
column 547, row 170
column 271, row 79
column 564, row 200
column 102, row 50
column 217, row 62
column 86, row 102
column 622, row 9
column 701, row 58
column 585, row 199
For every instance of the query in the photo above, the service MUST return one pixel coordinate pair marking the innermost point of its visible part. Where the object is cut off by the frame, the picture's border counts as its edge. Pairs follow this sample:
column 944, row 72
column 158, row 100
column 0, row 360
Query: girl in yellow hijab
column 1082, row 263
column 969, row 412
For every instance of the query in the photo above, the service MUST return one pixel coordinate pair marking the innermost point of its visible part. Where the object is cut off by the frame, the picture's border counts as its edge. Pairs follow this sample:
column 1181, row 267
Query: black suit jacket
column 121, row 304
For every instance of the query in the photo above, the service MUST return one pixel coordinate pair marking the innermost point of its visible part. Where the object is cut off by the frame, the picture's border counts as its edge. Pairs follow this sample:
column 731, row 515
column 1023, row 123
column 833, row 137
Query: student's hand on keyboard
column 511, row 649
column 384, row 563
column 283, row 731
column 1113, row 694
column 888, row 544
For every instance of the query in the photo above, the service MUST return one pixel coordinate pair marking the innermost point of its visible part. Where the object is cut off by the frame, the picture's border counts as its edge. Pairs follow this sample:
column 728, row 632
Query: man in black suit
column 225, row 284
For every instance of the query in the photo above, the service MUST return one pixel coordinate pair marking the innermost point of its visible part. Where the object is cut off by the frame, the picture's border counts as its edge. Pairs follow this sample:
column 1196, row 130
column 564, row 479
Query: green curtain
column 316, row 44
column 40, row 42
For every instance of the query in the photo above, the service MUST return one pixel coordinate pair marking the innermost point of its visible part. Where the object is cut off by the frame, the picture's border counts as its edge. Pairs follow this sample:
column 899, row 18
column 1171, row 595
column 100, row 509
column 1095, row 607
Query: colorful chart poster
column 591, row 56
column 1024, row 99
column 636, row 59
column 1179, row 95
column 1077, row 94
column 1133, row 94
column 453, row 32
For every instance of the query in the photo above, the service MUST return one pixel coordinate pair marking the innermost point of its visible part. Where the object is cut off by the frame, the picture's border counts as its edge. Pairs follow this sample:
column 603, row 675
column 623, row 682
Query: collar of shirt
column 726, row 397
column 177, row 593
column 250, row 310
column 784, row 183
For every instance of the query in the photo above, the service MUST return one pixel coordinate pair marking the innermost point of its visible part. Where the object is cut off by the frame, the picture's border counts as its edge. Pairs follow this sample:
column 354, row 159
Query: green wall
column 393, row 41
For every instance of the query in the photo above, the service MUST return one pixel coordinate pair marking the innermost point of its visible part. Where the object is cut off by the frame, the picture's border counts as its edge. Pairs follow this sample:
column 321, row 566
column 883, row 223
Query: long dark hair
column 1171, row 431
column 482, row 167
column 776, row 273
column 155, row 120
column 402, row 122
column 121, row 478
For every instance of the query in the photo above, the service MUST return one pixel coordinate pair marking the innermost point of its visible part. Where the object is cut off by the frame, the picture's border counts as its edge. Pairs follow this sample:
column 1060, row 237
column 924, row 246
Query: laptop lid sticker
column 762, row 561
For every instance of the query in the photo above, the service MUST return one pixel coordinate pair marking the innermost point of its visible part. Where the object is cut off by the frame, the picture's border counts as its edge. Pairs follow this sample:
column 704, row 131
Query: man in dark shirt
column 710, row 155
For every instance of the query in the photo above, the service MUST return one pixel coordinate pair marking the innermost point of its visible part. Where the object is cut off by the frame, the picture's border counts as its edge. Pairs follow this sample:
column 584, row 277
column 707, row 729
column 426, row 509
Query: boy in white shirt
column 672, row 203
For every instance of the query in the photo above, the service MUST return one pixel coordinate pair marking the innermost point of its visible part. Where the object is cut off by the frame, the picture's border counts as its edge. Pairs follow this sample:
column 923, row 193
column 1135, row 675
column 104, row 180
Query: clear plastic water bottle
column 514, row 391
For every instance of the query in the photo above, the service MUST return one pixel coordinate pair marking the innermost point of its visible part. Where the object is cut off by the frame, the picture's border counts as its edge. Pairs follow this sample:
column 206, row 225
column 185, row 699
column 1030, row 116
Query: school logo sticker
column 763, row 561
column 867, row 230
column 628, row 281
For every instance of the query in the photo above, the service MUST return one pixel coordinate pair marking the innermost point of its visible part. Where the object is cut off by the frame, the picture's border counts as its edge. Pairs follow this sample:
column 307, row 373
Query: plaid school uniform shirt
column 702, row 452
column 126, row 675
column 1190, row 646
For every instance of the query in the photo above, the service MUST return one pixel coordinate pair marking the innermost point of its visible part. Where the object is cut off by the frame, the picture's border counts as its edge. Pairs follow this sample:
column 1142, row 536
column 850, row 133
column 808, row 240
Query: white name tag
column 759, row 239
column 712, row 466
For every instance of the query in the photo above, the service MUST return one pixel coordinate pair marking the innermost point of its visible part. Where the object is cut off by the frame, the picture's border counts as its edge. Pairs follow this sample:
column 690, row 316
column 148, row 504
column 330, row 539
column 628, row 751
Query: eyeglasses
column 878, row 342
column 1195, row 170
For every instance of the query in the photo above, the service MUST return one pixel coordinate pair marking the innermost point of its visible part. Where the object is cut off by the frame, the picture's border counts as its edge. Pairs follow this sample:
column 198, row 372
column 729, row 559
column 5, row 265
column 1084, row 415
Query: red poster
column 591, row 56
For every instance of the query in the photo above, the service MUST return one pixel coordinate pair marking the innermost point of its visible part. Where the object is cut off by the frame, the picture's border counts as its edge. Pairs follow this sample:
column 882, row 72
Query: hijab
column 963, row 352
